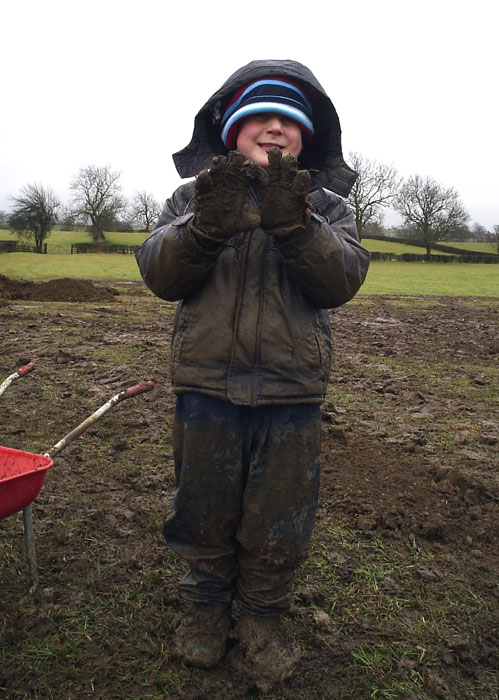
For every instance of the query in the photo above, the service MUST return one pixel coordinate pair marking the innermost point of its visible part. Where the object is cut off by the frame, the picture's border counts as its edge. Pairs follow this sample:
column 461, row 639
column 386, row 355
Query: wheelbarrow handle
column 21, row 372
column 137, row 389
column 125, row 394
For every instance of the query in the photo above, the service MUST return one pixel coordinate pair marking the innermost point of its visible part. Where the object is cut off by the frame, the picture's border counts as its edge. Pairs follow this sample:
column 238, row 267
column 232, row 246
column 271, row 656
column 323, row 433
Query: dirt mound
column 381, row 488
column 64, row 289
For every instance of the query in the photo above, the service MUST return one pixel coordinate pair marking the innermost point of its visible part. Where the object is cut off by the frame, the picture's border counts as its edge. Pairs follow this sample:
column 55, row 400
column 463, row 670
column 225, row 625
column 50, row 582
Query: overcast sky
column 117, row 83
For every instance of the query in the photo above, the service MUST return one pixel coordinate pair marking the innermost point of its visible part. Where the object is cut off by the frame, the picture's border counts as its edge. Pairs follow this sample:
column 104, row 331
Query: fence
column 414, row 257
column 73, row 249
column 14, row 247
column 103, row 248
column 82, row 248
column 461, row 252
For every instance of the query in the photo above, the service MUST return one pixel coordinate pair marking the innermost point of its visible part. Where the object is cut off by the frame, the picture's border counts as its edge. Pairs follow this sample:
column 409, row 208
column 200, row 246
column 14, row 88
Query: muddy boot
column 269, row 653
column 201, row 637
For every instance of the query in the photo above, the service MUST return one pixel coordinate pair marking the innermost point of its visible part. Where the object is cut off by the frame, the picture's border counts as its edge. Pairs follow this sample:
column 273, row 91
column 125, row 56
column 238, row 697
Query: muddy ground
column 398, row 598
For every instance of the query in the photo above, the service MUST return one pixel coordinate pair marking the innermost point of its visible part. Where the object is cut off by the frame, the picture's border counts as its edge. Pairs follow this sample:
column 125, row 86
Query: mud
column 409, row 468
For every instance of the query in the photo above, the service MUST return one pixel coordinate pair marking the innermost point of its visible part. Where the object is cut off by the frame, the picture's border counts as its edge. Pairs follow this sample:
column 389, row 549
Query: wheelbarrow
column 22, row 473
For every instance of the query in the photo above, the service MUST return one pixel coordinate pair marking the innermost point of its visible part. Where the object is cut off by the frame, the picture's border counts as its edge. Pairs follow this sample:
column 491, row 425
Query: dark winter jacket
column 252, row 326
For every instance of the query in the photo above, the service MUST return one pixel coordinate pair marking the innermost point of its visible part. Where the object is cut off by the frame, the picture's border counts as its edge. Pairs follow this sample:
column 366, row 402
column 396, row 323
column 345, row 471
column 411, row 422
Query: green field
column 413, row 279
column 387, row 246
column 480, row 247
column 432, row 279
column 66, row 238
column 375, row 246
column 93, row 266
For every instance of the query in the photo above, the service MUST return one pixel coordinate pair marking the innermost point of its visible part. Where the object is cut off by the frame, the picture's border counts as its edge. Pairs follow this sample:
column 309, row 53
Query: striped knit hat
column 278, row 95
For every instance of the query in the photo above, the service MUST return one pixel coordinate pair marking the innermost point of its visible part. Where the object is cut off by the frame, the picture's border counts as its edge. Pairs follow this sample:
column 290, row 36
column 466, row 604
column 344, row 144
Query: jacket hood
column 323, row 155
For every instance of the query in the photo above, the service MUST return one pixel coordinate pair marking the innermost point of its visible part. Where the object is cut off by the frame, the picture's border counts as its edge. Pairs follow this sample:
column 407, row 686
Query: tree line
column 430, row 212
column 97, row 203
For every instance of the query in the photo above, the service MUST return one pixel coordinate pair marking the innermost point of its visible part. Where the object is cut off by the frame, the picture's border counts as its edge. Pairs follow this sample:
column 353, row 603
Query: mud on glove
column 284, row 202
column 220, row 194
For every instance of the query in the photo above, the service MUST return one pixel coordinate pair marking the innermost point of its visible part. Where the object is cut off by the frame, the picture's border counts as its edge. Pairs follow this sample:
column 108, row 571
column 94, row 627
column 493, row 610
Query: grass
column 387, row 246
column 94, row 266
column 66, row 238
column 375, row 246
column 374, row 585
column 392, row 278
column 432, row 279
column 481, row 247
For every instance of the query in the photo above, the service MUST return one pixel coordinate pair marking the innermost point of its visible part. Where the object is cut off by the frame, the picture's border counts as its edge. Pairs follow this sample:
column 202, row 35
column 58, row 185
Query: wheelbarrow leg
column 30, row 547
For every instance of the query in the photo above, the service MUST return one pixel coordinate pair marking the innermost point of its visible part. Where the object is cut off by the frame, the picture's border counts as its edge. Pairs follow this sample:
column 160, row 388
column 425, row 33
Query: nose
column 274, row 124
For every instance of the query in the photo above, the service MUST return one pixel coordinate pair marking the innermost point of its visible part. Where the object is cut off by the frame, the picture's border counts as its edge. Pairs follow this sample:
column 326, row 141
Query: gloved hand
column 284, row 206
column 220, row 194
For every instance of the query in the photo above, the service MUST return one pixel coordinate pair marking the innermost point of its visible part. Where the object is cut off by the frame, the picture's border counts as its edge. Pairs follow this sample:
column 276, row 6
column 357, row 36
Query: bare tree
column 34, row 213
column 434, row 213
column 478, row 232
column 494, row 238
column 67, row 218
column 374, row 189
column 97, row 198
column 145, row 210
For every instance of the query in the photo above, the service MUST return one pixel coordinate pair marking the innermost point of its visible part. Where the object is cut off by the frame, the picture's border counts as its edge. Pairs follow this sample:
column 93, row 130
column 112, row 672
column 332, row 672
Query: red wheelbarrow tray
column 21, row 477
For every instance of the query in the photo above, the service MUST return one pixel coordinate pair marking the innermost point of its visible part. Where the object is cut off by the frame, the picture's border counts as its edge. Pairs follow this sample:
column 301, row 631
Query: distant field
column 414, row 279
column 434, row 279
column 471, row 245
column 375, row 246
column 66, row 238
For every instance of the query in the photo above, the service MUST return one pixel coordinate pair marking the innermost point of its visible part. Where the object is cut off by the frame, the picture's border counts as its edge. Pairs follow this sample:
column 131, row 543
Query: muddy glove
column 285, row 207
column 219, row 197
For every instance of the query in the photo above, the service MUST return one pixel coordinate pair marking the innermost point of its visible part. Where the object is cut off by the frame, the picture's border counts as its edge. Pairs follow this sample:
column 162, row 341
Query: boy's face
column 261, row 132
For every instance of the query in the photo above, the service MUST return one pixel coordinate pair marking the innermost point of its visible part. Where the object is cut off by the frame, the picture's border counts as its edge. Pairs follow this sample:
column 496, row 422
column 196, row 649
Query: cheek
column 243, row 138
column 248, row 132
column 296, row 144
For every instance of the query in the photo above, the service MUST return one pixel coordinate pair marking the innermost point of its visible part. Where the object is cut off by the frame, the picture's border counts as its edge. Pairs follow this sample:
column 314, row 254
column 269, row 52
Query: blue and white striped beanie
column 278, row 95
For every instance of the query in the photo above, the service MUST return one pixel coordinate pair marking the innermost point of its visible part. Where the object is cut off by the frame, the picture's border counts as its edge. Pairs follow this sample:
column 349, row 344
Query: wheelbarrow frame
column 55, row 449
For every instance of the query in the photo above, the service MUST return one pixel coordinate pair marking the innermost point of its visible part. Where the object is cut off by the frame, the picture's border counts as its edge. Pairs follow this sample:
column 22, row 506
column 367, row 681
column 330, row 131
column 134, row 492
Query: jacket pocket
column 179, row 328
column 323, row 339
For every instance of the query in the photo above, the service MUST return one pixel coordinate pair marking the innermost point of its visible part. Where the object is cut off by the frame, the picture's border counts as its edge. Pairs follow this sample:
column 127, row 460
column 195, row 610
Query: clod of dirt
column 439, row 687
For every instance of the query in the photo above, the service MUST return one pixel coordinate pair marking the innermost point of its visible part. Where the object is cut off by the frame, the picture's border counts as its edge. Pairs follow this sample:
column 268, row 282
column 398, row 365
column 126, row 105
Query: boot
column 201, row 637
column 269, row 652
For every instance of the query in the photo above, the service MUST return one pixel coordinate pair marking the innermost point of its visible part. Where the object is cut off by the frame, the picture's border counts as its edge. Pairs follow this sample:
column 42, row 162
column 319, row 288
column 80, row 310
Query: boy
column 255, row 250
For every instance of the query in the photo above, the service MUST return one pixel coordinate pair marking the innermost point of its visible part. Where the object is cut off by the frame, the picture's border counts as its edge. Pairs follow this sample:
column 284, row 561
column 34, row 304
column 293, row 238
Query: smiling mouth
column 267, row 146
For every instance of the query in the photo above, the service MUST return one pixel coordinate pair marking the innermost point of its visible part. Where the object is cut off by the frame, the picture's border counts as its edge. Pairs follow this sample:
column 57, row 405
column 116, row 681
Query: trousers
column 247, row 483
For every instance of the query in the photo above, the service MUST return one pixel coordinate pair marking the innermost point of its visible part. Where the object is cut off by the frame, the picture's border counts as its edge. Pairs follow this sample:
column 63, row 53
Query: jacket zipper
column 254, row 201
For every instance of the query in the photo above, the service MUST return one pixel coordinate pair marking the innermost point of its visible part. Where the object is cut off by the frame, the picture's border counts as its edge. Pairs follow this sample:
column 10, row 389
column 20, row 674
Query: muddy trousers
column 247, row 482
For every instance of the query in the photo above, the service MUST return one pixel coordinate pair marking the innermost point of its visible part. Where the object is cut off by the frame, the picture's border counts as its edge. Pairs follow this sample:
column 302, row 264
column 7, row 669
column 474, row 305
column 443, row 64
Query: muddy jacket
column 252, row 326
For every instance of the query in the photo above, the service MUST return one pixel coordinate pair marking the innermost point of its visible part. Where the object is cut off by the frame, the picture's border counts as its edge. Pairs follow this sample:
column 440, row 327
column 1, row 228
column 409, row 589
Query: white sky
column 118, row 83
